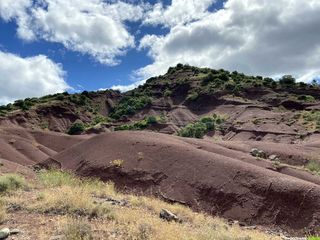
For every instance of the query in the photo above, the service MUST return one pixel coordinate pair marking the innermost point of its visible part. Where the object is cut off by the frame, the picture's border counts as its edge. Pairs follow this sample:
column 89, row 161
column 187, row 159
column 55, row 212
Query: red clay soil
column 27, row 147
column 201, row 174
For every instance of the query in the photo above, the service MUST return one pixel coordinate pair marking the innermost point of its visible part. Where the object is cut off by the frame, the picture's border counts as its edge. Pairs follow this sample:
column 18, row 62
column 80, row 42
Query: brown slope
column 172, row 168
column 27, row 147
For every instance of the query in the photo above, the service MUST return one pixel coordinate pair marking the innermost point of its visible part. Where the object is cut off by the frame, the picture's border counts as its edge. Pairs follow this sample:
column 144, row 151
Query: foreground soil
column 203, row 175
column 38, row 212
column 214, row 176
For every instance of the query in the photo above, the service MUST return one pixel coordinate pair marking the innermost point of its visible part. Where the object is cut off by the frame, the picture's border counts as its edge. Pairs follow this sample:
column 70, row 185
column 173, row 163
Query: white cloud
column 253, row 36
column 92, row 27
column 29, row 77
column 125, row 88
column 179, row 12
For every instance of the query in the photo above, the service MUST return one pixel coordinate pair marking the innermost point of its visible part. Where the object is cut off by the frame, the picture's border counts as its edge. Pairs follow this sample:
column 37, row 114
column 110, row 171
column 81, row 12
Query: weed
column 76, row 229
column 118, row 163
column 11, row 182
column 314, row 166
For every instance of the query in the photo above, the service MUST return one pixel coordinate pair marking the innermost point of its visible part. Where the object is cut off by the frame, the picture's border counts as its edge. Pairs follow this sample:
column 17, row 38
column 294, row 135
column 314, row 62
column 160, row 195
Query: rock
column 15, row 231
column 4, row 233
column 258, row 153
column 169, row 216
column 122, row 202
column 273, row 157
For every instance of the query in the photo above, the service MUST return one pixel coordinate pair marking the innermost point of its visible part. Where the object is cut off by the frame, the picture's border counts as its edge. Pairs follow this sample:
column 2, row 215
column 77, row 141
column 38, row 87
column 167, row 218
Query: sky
column 50, row 46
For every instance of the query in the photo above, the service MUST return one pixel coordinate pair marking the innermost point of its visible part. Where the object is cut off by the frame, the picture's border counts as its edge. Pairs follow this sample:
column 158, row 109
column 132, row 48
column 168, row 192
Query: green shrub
column 167, row 93
column 129, row 105
column 314, row 166
column 209, row 122
column 11, row 182
column 208, row 78
column 100, row 119
column 77, row 127
column 151, row 120
column 201, row 127
column 193, row 130
column 306, row 98
column 57, row 178
column 140, row 125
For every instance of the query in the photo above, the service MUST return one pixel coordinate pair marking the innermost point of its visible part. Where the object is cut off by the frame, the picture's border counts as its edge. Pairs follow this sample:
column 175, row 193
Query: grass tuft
column 11, row 182
column 57, row 178
column 75, row 229
column 2, row 211
column 314, row 166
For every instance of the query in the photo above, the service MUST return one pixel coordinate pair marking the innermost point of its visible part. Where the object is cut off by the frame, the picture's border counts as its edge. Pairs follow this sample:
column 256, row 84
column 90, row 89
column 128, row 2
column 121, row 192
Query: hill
column 244, row 148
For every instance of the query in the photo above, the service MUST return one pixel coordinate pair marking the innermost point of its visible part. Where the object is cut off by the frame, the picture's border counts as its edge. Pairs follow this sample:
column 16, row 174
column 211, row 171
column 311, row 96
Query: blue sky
column 103, row 43
column 83, row 72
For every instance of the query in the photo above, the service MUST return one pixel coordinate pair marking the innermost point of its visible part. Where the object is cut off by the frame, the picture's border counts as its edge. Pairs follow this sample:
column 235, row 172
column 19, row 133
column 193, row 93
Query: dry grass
column 76, row 229
column 82, row 216
column 3, row 213
column 11, row 182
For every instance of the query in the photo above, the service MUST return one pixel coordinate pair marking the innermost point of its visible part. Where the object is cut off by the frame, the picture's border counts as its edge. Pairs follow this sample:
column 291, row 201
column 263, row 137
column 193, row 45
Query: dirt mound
column 27, row 147
column 206, row 177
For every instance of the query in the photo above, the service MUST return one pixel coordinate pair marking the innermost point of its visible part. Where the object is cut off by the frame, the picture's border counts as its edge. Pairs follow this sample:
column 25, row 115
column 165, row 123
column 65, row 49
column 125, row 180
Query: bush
column 76, row 128
column 306, row 98
column 287, row 81
column 209, row 122
column 57, row 178
column 193, row 130
column 151, row 120
column 201, row 127
column 143, row 124
column 314, row 166
column 11, row 182
column 129, row 105
column 77, row 230
column 207, row 79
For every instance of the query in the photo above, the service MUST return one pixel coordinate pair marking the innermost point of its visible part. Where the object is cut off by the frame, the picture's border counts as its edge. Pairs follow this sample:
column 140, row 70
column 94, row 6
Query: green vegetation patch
column 11, row 182
column 200, row 128
column 310, row 119
column 129, row 105
column 140, row 125
column 313, row 238
column 314, row 166
column 76, row 128
column 57, row 178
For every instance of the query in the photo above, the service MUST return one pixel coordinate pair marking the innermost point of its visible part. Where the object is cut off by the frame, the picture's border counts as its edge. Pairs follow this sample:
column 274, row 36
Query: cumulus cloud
column 29, row 77
column 179, row 12
column 125, row 88
column 252, row 36
column 93, row 27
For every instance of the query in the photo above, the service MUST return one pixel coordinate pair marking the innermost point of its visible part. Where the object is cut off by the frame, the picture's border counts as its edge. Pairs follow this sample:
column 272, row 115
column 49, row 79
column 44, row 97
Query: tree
column 287, row 81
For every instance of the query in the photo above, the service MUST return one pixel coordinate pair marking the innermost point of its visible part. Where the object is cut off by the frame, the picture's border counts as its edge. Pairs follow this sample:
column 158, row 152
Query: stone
column 273, row 157
column 258, row 153
column 15, row 231
column 169, row 216
column 4, row 233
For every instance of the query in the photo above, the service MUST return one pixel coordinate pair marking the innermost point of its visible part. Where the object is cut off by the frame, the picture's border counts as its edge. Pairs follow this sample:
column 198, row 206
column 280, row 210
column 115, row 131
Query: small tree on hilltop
column 287, row 81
